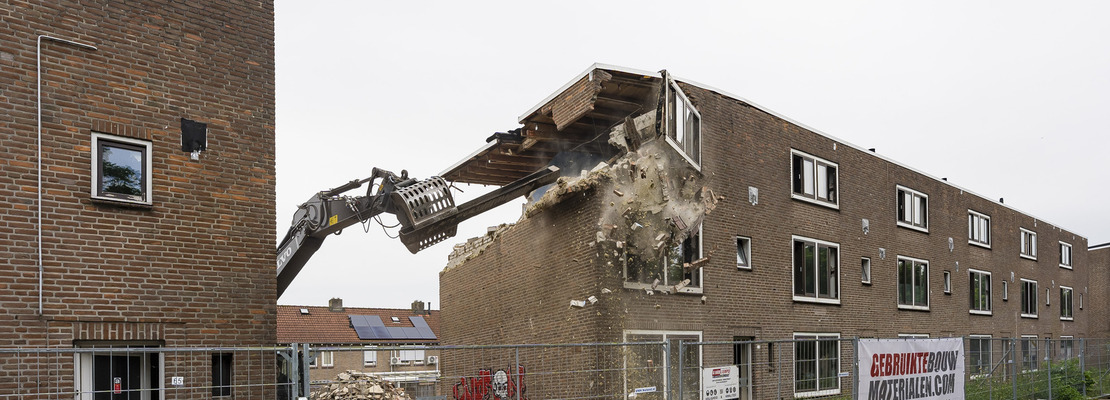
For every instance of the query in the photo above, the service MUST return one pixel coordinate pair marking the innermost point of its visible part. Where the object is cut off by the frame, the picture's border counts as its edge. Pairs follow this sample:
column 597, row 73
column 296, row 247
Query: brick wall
column 194, row 268
column 1099, row 286
column 518, row 290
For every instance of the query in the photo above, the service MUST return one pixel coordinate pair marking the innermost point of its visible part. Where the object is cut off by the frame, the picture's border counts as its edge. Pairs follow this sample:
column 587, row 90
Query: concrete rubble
column 355, row 385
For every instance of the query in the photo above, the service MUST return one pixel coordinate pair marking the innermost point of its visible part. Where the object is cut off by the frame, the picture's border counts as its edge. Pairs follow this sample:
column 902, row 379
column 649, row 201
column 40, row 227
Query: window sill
column 1067, row 319
column 104, row 201
column 834, row 206
column 815, row 300
column 1033, row 316
column 1065, row 266
column 1029, row 257
column 978, row 312
column 827, row 392
column 980, row 244
column 662, row 288
column 913, row 308
column 744, row 268
column 912, row 227
column 868, row 283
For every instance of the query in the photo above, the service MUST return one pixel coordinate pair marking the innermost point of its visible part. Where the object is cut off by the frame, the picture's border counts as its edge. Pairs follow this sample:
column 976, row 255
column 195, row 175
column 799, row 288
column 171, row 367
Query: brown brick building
column 755, row 228
column 141, row 213
column 415, row 370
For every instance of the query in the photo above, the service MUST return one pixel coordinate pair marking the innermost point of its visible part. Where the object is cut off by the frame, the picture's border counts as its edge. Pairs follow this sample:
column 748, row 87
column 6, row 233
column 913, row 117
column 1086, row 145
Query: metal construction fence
column 678, row 368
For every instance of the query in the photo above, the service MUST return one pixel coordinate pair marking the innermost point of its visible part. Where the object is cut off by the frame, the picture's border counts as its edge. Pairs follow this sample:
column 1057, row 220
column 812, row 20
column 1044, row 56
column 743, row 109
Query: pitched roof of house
column 323, row 326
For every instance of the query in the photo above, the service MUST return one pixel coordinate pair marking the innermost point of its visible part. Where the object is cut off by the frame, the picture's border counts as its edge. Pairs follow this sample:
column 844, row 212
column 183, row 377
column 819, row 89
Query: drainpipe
column 38, row 140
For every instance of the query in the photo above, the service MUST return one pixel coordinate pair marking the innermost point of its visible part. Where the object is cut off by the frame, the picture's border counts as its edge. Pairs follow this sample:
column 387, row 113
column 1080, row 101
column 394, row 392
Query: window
column 415, row 356
column 327, row 359
column 1067, row 347
column 683, row 124
column 369, row 357
column 816, row 271
column 816, row 364
column 1065, row 303
column 1028, row 298
column 947, row 282
column 913, row 209
column 1081, row 301
column 1028, row 353
column 865, row 270
column 979, row 355
column 1028, row 244
column 138, row 371
column 913, row 283
column 743, row 252
column 649, row 366
column 814, row 179
column 1065, row 255
column 1005, row 290
column 669, row 269
column 978, row 229
column 122, row 169
column 980, row 292
column 221, row 374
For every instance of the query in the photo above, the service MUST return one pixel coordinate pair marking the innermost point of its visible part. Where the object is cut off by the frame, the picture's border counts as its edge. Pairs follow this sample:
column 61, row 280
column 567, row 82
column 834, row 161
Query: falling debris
column 606, row 291
column 592, row 299
column 355, row 385
column 578, row 303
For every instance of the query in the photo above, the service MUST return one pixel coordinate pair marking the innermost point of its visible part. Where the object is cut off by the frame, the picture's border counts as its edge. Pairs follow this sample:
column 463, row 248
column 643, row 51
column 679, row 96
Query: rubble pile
column 354, row 385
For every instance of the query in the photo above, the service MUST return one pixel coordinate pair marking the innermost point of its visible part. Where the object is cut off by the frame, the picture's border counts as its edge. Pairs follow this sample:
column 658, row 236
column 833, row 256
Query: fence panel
column 141, row 373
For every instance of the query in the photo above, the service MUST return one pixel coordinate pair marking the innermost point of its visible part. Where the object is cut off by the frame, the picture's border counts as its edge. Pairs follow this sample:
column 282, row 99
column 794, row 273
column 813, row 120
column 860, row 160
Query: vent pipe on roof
column 335, row 305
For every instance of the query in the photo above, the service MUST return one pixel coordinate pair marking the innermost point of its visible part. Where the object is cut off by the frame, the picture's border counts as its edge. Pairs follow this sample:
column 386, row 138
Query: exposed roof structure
column 577, row 119
column 323, row 326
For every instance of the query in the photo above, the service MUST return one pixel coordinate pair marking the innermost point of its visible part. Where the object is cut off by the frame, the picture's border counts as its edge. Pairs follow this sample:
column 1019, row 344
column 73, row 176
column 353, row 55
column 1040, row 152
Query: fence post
column 855, row 362
column 778, row 369
column 306, row 380
column 681, row 351
column 1082, row 364
column 516, row 370
column 667, row 374
column 1013, row 366
column 292, row 374
column 1048, row 361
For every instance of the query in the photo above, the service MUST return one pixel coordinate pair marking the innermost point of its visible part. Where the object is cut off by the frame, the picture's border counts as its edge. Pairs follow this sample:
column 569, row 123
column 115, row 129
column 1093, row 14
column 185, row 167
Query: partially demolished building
column 688, row 213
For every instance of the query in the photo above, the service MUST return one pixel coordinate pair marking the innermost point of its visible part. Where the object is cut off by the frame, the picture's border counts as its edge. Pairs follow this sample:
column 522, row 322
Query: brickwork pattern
column 194, row 268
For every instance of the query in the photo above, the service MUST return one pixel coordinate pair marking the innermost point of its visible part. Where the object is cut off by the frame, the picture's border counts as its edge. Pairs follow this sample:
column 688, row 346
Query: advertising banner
column 909, row 369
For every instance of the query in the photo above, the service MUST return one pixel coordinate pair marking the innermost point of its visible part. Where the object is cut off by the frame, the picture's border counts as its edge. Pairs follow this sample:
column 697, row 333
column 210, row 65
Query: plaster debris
column 606, row 291
column 355, row 385
column 592, row 299
column 578, row 303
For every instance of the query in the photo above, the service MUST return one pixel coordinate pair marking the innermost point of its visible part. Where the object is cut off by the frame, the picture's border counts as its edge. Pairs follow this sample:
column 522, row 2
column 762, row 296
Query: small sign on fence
column 911, row 369
column 720, row 383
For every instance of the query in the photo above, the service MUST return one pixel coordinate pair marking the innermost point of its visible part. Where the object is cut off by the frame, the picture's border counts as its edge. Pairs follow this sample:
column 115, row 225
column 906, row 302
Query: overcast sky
column 1007, row 99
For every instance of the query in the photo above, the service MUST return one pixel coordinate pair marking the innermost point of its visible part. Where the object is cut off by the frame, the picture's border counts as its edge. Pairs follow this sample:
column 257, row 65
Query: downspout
column 38, row 140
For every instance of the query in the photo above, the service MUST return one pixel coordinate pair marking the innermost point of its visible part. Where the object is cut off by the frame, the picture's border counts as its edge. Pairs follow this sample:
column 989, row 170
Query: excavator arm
column 425, row 209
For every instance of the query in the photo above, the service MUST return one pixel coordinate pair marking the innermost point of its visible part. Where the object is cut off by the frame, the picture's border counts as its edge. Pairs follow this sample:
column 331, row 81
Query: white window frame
column 1005, row 290
column 817, row 162
column 913, row 335
column 83, row 365
column 1032, row 341
column 1065, row 255
column 793, row 277
column 148, row 164
column 1028, row 239
column 990, row 357
column 1024, row 291
column 1066, row 303
column 327, row 359
column 947, row 282
column 818, row 337
column 372, row 360
column 912, row 216
column 928, row 292
column 990, row 295
column 975, row 229
column 865, row 270
column 666, row 362
column 1070, row 352
column 674, row 94
column 410, row 356
column 747, row 249
column 664, row 283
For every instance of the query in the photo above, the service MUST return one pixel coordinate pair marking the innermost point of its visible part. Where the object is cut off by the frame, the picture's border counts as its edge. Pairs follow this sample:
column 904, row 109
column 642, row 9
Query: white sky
column 1007, row 99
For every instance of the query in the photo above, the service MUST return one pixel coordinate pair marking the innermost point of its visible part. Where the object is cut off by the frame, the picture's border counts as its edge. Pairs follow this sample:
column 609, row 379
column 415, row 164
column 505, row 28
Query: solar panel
column 370, row 327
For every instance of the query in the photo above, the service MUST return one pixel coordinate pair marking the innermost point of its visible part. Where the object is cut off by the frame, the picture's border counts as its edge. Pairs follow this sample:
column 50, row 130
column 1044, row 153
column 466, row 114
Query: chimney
column 335, row 304
column 418, row 307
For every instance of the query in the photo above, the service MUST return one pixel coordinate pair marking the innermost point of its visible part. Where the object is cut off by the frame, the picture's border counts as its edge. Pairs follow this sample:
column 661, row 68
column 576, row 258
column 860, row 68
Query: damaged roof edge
column 486, row 147
column 523, row 117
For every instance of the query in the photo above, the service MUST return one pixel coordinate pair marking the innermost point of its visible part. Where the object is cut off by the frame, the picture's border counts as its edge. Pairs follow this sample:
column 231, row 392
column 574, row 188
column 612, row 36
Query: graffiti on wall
column 490, row 385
